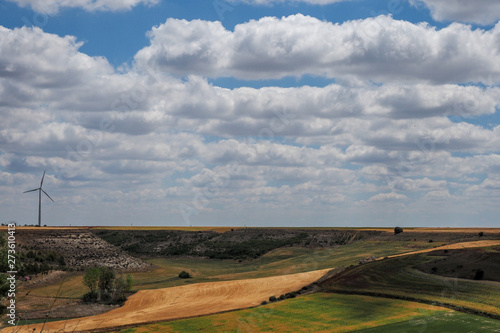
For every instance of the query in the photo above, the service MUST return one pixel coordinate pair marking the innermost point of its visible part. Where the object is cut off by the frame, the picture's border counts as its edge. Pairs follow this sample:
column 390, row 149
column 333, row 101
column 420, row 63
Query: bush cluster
column 184, row 275
column 104, row 286
column 273, row 299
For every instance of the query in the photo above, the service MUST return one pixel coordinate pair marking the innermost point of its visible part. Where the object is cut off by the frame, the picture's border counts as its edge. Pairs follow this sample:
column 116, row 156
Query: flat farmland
column 184, row 301
column 323, row 312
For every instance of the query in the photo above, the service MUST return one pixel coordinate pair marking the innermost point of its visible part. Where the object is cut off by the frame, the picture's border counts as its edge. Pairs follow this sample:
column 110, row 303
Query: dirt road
column 184, row 301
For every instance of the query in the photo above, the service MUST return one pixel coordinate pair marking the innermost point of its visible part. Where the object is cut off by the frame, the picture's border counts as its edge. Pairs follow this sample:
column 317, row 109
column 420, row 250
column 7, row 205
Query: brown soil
column 36, row 307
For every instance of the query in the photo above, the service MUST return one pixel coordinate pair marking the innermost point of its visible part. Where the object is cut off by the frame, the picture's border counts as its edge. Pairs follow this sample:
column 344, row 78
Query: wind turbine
column 40, row 190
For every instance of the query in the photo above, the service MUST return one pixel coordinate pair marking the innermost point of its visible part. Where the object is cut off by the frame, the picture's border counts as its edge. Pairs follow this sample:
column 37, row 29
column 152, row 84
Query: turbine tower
column 40, row 190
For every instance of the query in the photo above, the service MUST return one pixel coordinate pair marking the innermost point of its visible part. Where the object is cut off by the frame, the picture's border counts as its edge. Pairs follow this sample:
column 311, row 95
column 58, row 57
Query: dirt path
column 184, row 301
column 456, row 246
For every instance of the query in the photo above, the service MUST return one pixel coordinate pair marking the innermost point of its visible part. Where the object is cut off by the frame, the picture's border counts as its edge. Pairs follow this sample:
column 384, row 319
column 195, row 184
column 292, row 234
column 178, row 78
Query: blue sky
column 255, row 112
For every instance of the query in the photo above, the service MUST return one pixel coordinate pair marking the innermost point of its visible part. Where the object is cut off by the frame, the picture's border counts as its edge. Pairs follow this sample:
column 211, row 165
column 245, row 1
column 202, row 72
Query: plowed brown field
column 181, row 302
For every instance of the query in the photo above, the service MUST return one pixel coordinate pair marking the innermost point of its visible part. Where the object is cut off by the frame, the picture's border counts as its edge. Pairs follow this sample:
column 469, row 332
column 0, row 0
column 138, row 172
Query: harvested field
column 194, row 300
column 456, row 246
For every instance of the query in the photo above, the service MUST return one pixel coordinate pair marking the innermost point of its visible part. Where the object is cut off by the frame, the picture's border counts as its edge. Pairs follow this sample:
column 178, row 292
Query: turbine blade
column 36, row 189
column 42, row 179
column 48, row 195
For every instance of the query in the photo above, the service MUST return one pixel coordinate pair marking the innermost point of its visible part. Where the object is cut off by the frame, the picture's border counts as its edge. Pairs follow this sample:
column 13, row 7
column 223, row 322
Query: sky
column 251, row 112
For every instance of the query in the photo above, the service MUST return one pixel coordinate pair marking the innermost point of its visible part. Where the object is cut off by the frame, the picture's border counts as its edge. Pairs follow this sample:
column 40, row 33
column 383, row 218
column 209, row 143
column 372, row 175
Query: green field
column 397, row 277
column 332, row 313
column 455, row 322
column 286, row 260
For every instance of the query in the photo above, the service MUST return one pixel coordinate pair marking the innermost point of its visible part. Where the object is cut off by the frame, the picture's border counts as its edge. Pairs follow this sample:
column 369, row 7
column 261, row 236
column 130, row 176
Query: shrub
column 130, row 282
column 90, row 297
column 398, row 230
column 120, row 287
column 120, row 299
column 61, row 261
column 430, row 241
column 282, row 297
column 52, row 256
column 272, row 299
column 479, row 274
column 184, row 275
column 263, row 303
column 106, row 297
column 481, row 234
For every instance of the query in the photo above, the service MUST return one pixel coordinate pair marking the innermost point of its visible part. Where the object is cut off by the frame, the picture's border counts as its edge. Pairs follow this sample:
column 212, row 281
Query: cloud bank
column 159, row 140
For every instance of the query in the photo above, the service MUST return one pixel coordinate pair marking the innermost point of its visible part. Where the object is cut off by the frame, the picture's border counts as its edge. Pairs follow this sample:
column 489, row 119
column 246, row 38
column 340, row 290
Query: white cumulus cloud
column 477, row 11
column 379, row 49
column 50, row 7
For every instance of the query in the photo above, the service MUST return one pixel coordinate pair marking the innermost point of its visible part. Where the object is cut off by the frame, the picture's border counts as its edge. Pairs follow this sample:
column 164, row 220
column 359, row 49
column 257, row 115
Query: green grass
column 328, row 313
column 455, row 322
column 396, row 277
column 287, row 260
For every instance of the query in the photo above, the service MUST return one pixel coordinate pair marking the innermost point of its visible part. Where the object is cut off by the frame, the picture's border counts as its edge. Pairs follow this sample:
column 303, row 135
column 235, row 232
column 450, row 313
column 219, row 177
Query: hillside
column 240, row 244
column 79, row 248
column 400, row 277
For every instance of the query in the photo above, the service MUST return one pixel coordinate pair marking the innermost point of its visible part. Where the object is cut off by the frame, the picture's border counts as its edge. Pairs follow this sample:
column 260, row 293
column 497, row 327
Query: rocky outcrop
column 80, row 248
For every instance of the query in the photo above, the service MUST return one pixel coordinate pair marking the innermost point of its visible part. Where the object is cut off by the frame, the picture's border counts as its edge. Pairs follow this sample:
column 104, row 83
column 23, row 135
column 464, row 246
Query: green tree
column 91, row 279
column 120, row 288
column 106, row 279
column 105, row 286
